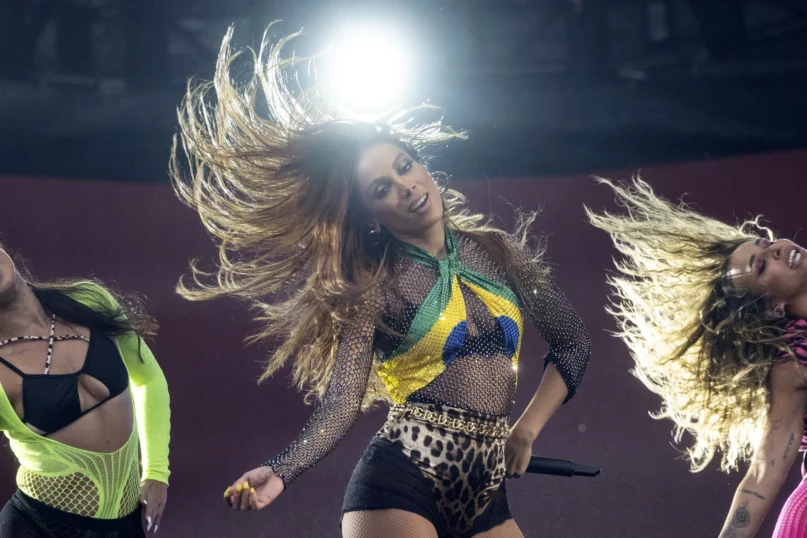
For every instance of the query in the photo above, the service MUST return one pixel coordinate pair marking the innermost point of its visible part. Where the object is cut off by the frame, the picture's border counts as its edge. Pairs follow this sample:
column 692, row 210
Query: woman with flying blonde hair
column 377, row 285
column 714, row 316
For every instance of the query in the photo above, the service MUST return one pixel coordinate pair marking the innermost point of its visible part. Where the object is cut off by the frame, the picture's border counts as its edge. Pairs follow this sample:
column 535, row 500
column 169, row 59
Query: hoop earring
column 779, row 311
column 372, row 235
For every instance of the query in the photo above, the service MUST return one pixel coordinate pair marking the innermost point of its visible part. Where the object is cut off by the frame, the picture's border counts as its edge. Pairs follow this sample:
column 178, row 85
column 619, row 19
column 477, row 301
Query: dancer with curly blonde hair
column 714, row 316
column 377, row 285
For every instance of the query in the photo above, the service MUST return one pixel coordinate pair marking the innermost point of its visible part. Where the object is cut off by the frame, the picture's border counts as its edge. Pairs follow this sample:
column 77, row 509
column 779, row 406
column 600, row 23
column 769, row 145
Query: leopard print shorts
column 462, row 473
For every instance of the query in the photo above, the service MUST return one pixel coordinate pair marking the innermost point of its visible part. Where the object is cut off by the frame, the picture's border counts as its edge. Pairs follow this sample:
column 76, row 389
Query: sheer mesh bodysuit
column 480, row 373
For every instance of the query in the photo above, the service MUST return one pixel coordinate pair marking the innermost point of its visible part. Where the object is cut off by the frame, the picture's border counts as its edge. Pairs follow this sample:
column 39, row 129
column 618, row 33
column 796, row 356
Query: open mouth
column 417, row 204
column 794, row 258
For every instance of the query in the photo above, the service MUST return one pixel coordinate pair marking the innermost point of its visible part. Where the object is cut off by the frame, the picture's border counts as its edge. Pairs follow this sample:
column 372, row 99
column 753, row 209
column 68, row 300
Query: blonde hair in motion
column 271, row 174
column 699, row 342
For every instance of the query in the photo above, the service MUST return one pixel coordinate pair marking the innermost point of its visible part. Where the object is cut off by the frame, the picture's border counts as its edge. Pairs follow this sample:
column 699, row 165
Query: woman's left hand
column 153, row 495
column 517, row 452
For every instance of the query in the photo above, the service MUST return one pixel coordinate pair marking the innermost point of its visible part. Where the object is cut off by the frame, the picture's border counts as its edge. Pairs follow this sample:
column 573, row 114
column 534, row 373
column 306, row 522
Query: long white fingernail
column 145, row 502
column 149, row 520
column 155, row 528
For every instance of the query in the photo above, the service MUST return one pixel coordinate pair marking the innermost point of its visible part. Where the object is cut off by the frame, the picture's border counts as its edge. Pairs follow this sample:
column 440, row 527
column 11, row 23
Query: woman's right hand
column 255, row 490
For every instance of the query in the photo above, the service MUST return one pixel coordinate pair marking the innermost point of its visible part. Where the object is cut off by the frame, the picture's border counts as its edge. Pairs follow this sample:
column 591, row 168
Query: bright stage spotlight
column 368, row 70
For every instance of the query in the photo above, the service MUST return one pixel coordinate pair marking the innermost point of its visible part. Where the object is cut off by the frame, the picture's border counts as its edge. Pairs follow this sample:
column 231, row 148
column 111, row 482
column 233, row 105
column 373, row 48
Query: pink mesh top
column 798, row 329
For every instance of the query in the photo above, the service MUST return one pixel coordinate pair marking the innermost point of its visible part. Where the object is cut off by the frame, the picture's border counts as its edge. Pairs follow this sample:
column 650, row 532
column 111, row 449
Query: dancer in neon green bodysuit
column 80, row 392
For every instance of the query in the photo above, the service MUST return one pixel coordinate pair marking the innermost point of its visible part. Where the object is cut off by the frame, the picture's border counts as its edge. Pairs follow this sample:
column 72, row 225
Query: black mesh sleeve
column 341, row 404
column 550, row 312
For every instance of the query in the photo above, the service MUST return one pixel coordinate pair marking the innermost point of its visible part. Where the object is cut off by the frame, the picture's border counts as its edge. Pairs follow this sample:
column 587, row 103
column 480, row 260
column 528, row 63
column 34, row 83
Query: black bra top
column 51, row 401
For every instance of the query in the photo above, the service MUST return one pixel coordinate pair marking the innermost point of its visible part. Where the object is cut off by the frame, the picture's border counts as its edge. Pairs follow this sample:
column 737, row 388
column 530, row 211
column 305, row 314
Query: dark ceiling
column 89, row 88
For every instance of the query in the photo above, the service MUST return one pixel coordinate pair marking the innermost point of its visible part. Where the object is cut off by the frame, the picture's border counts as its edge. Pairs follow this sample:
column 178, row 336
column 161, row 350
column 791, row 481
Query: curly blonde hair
column 698, row 341
column 271, row 176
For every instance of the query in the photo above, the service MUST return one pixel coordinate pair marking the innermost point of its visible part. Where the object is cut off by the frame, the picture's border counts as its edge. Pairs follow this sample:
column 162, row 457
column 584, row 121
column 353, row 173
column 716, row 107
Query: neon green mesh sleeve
column 152, row 406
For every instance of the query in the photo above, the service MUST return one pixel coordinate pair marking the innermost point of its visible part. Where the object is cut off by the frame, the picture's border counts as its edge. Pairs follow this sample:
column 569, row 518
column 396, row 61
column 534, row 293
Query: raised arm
column 775, row 454
column 340, row 406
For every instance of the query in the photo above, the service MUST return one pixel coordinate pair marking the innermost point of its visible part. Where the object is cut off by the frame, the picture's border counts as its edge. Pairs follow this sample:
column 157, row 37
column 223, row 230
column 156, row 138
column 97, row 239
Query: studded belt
column 399, row 412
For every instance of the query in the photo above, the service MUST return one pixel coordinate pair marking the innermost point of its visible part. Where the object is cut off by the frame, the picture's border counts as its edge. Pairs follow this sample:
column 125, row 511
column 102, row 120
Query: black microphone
column 551, row 466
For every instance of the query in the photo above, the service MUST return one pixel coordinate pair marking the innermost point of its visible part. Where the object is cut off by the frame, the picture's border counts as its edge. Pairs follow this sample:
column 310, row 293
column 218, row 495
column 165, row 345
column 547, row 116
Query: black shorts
column 24, row 517
column 386, row 478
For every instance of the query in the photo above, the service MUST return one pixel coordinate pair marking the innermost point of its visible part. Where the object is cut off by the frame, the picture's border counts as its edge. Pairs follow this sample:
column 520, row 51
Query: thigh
column 389, row 523
column 14, row 523
column 508, row 529
column 23, row 517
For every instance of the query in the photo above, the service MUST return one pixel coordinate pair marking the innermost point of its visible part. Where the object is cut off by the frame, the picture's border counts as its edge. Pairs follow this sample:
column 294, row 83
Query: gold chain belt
column 398, row 412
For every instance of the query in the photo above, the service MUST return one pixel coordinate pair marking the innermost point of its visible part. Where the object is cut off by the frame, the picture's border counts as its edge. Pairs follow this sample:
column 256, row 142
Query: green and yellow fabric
column 439, row 328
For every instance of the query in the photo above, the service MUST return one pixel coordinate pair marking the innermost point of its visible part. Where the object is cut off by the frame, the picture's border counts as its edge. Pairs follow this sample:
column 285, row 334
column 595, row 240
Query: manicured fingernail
column 149, row 520
column 238, row 488
column 246, row 485
column 226, row 493
column 252, row 490
column 155, row 528
column 145, row 502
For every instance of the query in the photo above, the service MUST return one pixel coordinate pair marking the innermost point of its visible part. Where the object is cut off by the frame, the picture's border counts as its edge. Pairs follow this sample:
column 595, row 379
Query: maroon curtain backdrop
column 141, row 238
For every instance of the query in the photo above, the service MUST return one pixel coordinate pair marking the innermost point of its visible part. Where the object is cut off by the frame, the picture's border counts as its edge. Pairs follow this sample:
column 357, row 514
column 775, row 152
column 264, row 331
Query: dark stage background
column 140, row 237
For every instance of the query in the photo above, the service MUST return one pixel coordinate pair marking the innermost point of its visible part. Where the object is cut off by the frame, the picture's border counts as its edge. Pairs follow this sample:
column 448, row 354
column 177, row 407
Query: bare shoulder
column 788, row 376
